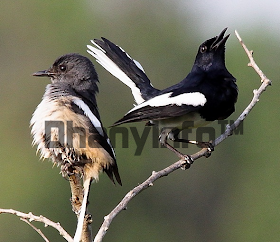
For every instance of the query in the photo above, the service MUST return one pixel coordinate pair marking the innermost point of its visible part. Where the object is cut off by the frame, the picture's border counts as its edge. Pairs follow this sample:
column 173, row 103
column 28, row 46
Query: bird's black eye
column 62, row 68
column 203, row 49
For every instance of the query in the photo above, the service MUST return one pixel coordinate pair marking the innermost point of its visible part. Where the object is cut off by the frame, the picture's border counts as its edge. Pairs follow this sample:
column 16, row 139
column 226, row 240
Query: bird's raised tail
column 115, row 60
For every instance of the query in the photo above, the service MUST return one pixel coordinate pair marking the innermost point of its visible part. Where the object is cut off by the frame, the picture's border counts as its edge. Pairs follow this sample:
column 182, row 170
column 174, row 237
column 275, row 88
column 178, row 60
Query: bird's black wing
column 165, row 106
column 150, row 113
column 97, row 135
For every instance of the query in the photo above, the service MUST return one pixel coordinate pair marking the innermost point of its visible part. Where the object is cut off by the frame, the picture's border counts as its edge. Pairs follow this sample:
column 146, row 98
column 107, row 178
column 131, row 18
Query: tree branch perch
column 36, row 229
column 31, row 217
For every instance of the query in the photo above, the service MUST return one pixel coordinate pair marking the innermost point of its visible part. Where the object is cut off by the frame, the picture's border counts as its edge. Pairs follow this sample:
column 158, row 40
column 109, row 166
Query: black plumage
column 208, row 93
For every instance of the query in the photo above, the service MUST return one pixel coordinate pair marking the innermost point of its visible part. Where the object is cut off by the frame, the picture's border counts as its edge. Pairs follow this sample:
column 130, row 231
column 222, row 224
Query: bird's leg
column 163, row 140
column 67, row 169
column 187, row 158
column 70, row 162
column 199, row 144
column 174, row 137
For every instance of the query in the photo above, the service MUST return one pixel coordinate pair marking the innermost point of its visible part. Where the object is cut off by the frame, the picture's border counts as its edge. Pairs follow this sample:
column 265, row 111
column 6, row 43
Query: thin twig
column 77, row 197
column 156, row 175
column 31, row 217
column 265, row 83
column 252, row 62
column 36, row 229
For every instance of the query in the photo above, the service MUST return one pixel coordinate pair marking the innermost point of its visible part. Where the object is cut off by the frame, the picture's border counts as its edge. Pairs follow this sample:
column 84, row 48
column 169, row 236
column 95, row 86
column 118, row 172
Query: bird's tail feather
column 115, row 60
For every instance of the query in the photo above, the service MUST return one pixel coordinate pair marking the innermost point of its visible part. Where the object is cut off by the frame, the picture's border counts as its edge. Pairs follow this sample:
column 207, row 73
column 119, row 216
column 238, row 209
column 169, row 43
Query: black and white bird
column 69, row 107
column 208, row 93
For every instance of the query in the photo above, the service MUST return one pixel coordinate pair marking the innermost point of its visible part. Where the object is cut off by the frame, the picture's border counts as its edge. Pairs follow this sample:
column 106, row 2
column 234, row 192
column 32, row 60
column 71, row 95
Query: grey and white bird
column 67, row 128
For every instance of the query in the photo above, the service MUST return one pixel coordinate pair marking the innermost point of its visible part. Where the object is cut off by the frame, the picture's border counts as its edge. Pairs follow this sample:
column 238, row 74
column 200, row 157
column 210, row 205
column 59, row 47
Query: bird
column 208, row 93
column 69, row 105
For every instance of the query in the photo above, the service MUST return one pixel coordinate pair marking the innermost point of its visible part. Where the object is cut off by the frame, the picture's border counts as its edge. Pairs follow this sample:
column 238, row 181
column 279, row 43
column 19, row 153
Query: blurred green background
column 232, row 196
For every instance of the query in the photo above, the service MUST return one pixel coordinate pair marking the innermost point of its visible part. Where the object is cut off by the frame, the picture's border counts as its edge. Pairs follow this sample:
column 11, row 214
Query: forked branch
column 31, row 217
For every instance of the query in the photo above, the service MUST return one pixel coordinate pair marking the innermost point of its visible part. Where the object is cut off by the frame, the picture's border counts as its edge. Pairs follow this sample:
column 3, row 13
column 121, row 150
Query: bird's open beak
column 220, row 40
column 43, row 73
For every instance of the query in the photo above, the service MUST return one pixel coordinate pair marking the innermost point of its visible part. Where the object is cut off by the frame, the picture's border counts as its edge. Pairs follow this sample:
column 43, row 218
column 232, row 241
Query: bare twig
column 36, row 229
column 252, row 63
column 87, row 231
column 265, row 83
column 30, row 217
column 179, row 164
column 77, row 197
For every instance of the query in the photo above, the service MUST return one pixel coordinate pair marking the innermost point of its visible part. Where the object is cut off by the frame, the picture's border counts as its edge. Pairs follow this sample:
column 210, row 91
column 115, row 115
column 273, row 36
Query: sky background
column 231, row 196
column 242, row 14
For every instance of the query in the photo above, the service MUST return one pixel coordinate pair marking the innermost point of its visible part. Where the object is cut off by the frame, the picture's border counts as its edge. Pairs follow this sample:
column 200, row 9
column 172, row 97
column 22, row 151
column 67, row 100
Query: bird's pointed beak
column 220, row 40
column 43, row 73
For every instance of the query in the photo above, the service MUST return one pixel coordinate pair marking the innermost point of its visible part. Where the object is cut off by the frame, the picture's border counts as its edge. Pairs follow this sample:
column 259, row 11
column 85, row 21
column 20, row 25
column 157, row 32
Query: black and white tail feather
column 129, row 71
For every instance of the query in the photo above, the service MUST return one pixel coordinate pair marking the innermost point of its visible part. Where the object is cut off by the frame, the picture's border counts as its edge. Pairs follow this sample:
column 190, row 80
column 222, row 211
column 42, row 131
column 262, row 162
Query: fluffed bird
column 66, row 125
column 209, row 92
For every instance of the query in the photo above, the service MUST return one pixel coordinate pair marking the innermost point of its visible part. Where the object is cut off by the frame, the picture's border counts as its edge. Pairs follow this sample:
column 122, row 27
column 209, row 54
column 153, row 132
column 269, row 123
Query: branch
column 76, row 192
column 265, row 83
column 36, row 229
column 252, row 63
column 30, row 217
column 77, row 196
column 203, row 152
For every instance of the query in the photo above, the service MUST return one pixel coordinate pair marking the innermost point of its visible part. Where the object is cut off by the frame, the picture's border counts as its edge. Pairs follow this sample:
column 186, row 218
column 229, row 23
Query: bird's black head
column 211, row 53
column 72, row 69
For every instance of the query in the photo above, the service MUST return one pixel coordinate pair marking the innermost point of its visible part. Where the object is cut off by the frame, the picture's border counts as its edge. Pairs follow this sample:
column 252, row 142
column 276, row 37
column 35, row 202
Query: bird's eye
column 62, row 68
column 203, row 49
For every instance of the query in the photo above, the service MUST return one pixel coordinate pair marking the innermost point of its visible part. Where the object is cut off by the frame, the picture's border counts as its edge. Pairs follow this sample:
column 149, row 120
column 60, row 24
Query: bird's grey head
column 70, row 68
column 211, row 53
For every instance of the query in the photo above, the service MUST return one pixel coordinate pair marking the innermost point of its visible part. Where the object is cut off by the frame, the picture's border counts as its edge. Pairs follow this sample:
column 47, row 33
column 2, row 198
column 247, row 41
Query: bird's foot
column 67, row 169
column 188, row 161
column 208, row 145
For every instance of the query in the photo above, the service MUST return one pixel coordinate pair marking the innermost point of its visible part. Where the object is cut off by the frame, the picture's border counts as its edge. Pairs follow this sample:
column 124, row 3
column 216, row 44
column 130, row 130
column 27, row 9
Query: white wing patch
column 100, row 56
column 109, row 142
column 96, row 123
column 193, row 98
